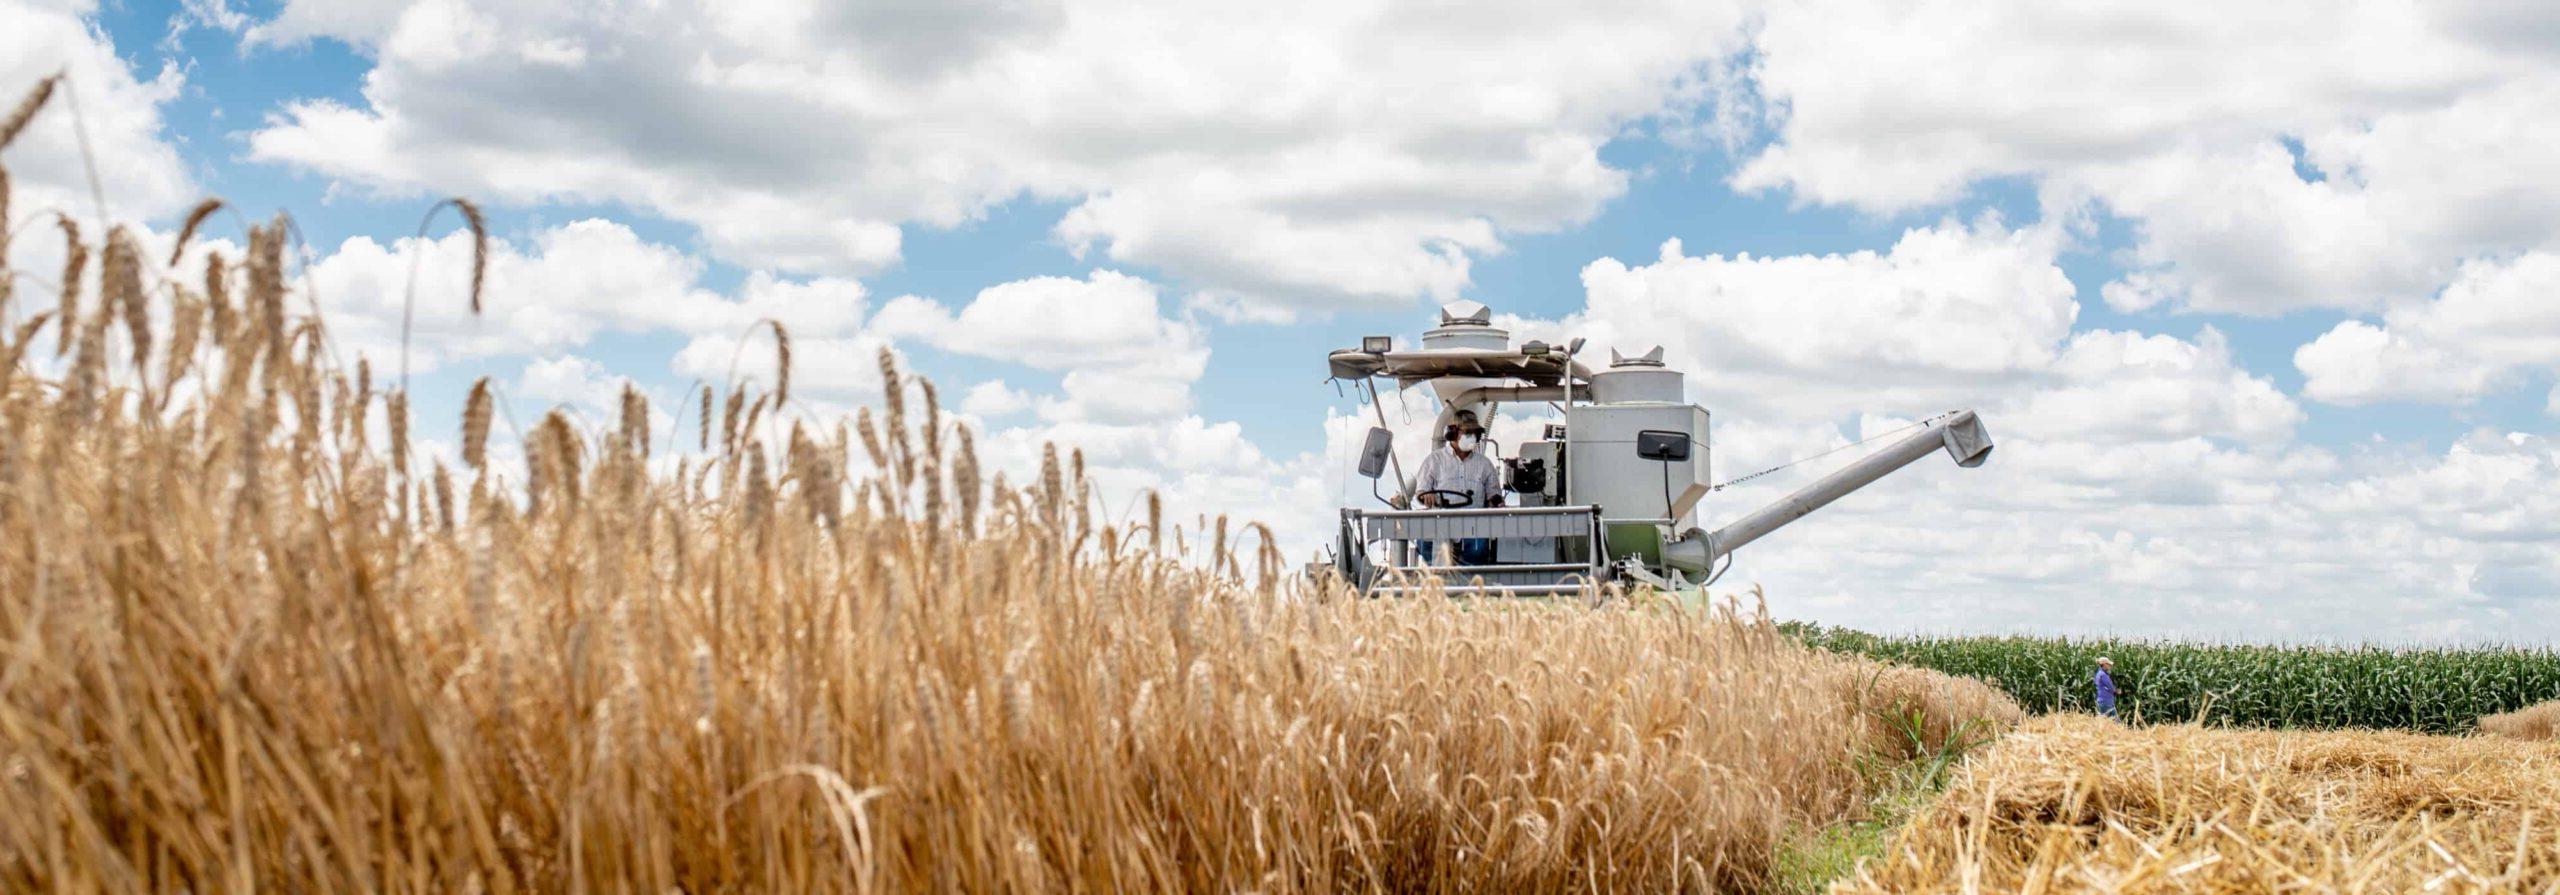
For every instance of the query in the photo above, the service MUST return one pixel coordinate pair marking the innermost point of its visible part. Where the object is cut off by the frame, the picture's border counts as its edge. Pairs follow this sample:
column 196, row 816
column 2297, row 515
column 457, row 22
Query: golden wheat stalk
column 26, row 109
column 477, row 408
column 187, row 229
column 75, row 260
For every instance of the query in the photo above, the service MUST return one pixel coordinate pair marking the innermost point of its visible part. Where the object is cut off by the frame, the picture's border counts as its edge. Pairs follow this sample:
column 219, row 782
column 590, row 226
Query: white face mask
column 1468, row 443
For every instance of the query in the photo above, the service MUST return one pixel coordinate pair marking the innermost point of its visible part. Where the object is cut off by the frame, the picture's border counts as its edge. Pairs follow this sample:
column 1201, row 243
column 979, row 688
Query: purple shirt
column 2106, row 690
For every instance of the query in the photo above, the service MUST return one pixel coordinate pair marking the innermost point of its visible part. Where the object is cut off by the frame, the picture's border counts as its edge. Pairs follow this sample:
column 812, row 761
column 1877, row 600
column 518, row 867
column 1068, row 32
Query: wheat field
column 254, row 637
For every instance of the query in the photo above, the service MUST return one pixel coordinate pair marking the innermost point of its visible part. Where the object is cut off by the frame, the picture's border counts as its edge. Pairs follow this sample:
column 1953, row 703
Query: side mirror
column 1663, row 445
column 1373, row 452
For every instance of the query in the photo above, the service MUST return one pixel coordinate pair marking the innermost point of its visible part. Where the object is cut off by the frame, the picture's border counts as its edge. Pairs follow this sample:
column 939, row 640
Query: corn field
column 2425, row 690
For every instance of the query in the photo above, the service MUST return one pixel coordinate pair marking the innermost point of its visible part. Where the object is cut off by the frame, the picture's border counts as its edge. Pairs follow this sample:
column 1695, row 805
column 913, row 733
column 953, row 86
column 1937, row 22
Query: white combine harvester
column 1610, row 494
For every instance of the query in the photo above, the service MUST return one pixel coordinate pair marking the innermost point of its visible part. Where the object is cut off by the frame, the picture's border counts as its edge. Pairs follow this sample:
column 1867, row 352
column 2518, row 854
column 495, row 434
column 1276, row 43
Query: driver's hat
column 1464, row 421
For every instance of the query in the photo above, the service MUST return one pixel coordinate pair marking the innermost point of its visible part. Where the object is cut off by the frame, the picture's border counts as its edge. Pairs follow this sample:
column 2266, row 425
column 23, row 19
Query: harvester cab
column 1611, row 492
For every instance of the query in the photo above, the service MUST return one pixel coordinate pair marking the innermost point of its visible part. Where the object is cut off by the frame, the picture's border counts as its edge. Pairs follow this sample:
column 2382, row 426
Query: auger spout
column 1960, row 433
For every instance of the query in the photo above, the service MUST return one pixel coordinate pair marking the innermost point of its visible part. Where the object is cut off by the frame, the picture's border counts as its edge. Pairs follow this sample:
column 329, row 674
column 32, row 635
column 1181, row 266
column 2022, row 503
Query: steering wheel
column 1449, row 500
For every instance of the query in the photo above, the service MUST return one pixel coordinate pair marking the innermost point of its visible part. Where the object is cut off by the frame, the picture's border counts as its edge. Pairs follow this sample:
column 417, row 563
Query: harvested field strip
column 2078, row 804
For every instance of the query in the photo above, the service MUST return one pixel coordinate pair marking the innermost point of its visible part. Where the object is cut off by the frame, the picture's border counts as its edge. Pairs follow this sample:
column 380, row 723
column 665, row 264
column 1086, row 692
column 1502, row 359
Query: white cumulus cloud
column 1274, row 158
column 2269, row 157
column 2496, row 322
column 557, row 288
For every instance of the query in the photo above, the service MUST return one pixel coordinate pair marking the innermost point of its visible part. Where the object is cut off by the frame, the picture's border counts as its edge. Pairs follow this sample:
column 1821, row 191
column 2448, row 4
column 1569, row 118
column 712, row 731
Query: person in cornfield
column 2106, row 687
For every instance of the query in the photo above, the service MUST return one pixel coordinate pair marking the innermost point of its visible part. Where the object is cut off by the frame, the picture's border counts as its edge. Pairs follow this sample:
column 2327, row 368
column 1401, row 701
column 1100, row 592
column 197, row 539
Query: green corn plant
column 2305, row 686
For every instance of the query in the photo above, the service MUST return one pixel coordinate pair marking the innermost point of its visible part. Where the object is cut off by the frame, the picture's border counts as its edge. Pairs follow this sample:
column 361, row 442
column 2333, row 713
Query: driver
column 1459, row 467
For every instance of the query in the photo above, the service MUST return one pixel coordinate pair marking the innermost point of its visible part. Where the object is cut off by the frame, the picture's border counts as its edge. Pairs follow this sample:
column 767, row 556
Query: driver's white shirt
column 1474, row 474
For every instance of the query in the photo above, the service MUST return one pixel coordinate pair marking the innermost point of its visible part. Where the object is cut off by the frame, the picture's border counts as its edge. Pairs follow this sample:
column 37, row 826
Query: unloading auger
column 1610, row 494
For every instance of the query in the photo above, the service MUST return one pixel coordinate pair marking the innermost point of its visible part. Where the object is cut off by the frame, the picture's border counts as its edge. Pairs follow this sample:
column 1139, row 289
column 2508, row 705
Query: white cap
column 2102, row 660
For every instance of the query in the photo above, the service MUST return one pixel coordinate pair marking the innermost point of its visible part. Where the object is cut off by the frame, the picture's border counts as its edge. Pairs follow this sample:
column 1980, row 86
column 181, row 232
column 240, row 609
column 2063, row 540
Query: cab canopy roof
column 1547, row 367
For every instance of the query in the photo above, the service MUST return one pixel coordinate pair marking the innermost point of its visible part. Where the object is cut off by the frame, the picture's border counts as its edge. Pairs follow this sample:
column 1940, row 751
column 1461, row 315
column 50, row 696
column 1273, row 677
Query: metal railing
column 1407, row 573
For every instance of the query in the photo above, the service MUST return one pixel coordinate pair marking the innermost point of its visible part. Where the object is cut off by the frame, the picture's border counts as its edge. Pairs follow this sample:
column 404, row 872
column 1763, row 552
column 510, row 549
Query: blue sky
column 2265, row 328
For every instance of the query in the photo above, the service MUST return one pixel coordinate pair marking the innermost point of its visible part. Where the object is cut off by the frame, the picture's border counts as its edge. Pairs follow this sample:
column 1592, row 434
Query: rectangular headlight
column 1377, row 344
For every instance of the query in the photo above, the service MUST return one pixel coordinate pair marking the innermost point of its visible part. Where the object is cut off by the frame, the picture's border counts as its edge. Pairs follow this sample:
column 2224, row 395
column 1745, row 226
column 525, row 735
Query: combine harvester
column 1609, row 495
